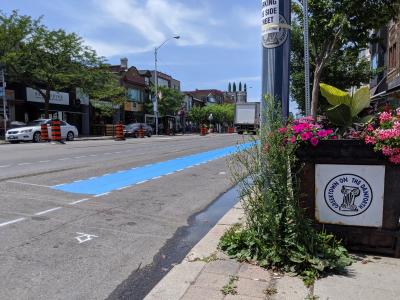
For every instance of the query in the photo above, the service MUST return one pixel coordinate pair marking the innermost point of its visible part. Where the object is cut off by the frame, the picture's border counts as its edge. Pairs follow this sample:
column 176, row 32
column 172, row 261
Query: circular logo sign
column 348, row 195
column 275, row 39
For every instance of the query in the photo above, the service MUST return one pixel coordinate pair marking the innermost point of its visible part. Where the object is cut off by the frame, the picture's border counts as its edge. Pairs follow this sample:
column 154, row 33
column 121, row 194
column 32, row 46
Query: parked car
column 132, row 130
column 31, row 132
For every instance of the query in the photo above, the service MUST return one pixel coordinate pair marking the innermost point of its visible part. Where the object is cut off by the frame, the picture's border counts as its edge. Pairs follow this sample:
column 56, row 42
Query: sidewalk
column 206, row 273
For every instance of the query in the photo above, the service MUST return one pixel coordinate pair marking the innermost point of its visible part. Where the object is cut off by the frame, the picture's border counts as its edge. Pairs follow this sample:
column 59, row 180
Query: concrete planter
column 316, row 197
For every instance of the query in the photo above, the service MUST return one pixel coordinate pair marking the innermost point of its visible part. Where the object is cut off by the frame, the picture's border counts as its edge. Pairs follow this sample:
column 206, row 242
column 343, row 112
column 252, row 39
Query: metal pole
column 276, row 20
column 4, row 102
column 156, row 86
column 306, row 59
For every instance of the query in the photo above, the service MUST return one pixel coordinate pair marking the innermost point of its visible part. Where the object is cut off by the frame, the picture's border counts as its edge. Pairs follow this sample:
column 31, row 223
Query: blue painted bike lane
column 114, row 181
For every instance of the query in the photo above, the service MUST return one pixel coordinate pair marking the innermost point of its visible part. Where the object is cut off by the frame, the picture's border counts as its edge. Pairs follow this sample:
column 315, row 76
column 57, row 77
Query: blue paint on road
column 118, row 180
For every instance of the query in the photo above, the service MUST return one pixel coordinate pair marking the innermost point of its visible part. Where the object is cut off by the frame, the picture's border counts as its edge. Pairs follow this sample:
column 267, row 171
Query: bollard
column 119, row 132
column 56, row 131
column 44, row 133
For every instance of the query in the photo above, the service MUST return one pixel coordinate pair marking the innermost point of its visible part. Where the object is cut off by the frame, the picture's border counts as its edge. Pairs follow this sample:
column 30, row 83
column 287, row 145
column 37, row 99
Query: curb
column 179, row 279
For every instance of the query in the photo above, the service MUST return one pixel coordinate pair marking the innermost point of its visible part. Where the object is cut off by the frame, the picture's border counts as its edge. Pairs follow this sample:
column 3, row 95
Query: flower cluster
column 386, row 136
column 306, row 130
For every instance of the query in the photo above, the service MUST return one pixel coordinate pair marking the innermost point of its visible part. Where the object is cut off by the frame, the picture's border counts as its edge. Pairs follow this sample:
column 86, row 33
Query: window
column 393, row 57
column 135, row 95
column 163, row 82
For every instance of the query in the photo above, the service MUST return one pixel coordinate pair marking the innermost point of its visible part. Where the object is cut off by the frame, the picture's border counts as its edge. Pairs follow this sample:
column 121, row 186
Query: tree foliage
column 170, row 101
column 341, row 25
column 47, row 60
column 222, row 113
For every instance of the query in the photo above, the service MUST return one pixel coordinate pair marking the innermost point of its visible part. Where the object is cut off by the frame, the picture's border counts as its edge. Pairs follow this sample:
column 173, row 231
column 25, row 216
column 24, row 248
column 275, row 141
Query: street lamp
column 156, row 78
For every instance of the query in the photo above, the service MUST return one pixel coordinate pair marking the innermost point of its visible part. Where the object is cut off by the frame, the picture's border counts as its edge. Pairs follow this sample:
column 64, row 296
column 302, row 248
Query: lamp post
column 156, row 78
column 306, row 59
column 3, row 89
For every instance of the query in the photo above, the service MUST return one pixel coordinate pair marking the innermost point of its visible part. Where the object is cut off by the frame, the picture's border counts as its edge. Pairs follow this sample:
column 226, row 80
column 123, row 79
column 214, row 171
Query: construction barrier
column 141, row 133
column 44, row 133
column 56, row 130
column 203, row 131
column 119, row 132
column 231, row 130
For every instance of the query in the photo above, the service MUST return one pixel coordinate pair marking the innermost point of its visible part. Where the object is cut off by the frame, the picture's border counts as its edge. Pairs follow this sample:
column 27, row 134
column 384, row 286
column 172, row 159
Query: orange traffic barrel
column 141, row 133
column 44, row 134
column 56, row 130
column 119, row 132
column 203, row 131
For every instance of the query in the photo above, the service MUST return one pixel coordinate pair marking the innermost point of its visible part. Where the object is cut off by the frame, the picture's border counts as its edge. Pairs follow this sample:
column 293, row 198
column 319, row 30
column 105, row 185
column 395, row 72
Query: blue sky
column 220, row 39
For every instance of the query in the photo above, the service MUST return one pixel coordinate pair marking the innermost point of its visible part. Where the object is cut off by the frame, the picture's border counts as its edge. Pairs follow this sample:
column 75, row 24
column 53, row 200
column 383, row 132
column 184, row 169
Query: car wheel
column 149, row 134
column 36, row 137
column 70, row 136
column 135, row 134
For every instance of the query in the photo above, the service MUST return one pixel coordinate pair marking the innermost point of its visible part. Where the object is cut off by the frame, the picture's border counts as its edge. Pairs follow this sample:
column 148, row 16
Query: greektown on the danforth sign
column 349, row 194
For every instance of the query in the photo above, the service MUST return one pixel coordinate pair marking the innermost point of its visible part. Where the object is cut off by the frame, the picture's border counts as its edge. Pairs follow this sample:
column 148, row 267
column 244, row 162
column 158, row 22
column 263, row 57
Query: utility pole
column 3, row 81
column 276, row 52
column 306, row 59
column 155, row 104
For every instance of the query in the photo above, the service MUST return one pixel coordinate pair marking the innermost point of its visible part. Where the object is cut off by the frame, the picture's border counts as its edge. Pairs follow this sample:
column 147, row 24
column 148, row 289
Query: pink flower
column 329, row 131
column 395, row 159
column 334, row 137
column 322, row 133
column 314, row 141
column 282, row 130
column 398, row 112
column 387, row 151
column 306, row 136
column 370, row 140
column 385, row 117
column 292, row 139
column 370, row 128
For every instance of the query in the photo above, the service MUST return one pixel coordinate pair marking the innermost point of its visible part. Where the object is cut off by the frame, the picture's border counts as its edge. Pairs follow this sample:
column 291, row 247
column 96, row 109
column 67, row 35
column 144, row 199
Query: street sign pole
column 306, row 59
column 3, row 81
column 276, row 52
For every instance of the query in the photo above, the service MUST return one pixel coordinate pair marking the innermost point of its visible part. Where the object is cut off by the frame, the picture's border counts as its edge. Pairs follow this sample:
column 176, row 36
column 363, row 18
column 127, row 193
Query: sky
column 220, row 39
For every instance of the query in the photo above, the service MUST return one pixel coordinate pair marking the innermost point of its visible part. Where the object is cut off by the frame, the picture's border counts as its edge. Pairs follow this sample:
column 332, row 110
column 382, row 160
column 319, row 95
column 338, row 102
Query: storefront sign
column 55, row 97
column 349, row 194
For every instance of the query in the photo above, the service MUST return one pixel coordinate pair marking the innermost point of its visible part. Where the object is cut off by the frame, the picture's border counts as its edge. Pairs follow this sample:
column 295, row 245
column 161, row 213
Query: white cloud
column 243, row 79
column 107, row 49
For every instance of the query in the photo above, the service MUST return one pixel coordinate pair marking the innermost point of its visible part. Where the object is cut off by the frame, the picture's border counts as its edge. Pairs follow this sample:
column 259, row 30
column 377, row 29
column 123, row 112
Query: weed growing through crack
column 230, row 288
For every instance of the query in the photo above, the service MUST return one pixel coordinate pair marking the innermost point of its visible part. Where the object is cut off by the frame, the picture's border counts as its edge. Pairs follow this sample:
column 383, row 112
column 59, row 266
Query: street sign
column 1, row 91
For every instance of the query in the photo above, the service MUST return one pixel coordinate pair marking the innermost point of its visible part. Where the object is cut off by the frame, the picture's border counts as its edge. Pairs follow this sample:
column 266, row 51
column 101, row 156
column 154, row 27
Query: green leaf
column 334, row 95
column 366, row 119
column 361, row 100
column 340, row 115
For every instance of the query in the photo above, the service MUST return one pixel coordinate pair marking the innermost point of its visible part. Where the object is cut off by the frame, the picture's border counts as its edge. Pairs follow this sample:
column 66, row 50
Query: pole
column 276, row 52
column 4, row 101
column 306, row 59
column 156, row 87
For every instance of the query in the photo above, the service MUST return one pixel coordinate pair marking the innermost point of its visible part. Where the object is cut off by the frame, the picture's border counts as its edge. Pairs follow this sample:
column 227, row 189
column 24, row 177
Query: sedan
column 31, row 132
column 132, row 130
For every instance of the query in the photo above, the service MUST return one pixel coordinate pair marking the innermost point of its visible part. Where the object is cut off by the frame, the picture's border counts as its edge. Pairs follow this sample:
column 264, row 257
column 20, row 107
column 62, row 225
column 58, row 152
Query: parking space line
column 11, row 222
column 140, row 182
column 5, row 166
column 24, row 164
column 100, row 195
column 47, row 211
column 44, row 161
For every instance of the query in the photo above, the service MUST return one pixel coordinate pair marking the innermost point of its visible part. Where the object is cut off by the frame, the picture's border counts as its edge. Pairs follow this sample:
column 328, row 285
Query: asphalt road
column 64, row 245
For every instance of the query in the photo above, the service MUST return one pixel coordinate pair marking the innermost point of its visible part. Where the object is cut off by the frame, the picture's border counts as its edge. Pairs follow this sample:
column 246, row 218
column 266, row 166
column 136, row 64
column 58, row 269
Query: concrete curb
column 175, row 284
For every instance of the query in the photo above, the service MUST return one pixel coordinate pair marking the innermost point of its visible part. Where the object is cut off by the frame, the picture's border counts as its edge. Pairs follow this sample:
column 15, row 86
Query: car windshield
column 36, row 123
column 133, row 125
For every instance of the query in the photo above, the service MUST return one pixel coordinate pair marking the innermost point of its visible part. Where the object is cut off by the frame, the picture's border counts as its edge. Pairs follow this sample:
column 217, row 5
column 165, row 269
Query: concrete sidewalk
column 206, row 273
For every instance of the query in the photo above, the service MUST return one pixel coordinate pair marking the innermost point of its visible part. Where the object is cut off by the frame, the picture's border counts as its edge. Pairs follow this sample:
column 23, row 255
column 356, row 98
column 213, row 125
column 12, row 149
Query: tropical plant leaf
column 340, row 115
column 366, row 119
column 361, row 100
column 334, row 95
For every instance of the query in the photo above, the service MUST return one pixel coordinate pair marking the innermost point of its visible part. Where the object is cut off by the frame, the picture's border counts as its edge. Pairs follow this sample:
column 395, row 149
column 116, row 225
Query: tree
column 245, row 87
column 339, row 25
column 240, row 86
column 229, row 87
column 170, row 101
column 344, row 69
column 234, row 87
column 47, row 60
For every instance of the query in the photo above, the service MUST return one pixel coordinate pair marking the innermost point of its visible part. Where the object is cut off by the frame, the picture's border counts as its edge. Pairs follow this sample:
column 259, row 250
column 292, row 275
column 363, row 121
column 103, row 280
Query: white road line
column 66, row 158
column 158, row 177
column 78, row 180
column 121, row 171
column 91, row 178
column 123, row 188
column 47, row 211
column 198, row 164
column 26, row 183
column 106, row 174
column 44, row 161
column 24, row 164
column 179, row 170
column 170, row 173
column 5, row 166
column 93, row 155
column 78, row 157
column 100, row 195
column 118, row 152
column 11, row 222
column 58, row 184
column 142, row 182
column 189, row 167
column 79, row 201
column 107, row 153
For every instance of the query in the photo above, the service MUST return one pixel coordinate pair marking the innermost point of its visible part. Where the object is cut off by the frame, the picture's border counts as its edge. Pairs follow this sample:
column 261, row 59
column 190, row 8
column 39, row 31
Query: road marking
column 170, row 173
column 123, row 188
column 11, row 222
column 108, row 153
column 179, row 170
column 78, row 180
column 79, row 201
column 27, row 183
column 77, row 157
column 197, row 164
column 5, row 166
column 222, row 173
column 44, row 161
column 158, row 177
column 106, row 174
column 189, row 167
column 66, row 158
column 100, row 195
column 91, row 178
column 140, row 182
column 24, row 164
column 84, row 237
column 47, row 211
